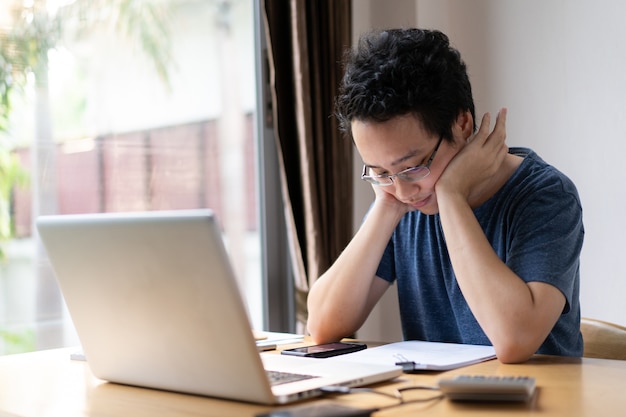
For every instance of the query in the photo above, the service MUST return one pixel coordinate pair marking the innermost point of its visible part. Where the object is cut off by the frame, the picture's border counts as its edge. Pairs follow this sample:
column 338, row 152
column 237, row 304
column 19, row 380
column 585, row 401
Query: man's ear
column 464, row 125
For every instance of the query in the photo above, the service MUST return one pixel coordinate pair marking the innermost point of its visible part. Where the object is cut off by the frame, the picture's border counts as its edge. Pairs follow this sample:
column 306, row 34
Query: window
column 153, row 110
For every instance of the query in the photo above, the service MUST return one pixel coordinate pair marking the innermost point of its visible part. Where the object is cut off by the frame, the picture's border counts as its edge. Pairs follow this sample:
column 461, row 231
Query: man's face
column 400, row 143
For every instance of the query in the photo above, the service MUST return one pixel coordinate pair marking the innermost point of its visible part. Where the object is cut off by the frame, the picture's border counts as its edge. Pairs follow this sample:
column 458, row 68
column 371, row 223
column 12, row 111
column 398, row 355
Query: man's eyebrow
column 398, row 161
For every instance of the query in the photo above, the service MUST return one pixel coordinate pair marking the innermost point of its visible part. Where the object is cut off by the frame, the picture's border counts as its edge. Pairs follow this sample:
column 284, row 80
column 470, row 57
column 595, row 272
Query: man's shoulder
column 535, row 171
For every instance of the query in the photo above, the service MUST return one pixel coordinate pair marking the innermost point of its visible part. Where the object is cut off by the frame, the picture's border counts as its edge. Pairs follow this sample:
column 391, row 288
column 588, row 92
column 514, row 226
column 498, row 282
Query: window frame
column 277, row 275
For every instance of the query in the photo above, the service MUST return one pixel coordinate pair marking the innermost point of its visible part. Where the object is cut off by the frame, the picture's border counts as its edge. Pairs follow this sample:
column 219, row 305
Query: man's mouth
column 420, row 203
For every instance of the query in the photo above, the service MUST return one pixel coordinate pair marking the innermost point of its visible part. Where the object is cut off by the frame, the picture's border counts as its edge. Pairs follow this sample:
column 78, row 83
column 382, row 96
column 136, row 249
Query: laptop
column 155, row 304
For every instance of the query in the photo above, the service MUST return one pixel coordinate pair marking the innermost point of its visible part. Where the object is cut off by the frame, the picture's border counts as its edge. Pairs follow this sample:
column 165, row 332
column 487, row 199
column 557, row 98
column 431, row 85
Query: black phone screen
column 325, row 350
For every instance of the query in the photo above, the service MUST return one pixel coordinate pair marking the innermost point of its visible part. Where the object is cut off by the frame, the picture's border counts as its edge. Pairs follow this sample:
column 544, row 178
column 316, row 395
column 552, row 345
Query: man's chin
column 427, row 206
column 429, row 211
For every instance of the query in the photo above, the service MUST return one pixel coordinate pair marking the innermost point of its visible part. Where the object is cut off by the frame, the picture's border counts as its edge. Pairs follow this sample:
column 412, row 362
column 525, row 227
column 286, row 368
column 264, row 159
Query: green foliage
column 11, row 174
column 25, row 46
column 6, row 84
column 36, row 30
column 17, row 342
column 24, row 51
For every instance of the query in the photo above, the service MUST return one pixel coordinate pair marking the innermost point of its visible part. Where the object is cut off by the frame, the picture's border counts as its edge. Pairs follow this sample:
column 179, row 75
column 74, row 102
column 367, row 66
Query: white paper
column 426, row 355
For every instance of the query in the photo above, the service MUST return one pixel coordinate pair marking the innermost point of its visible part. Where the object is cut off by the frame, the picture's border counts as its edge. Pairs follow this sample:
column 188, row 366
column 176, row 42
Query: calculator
column 488, row 388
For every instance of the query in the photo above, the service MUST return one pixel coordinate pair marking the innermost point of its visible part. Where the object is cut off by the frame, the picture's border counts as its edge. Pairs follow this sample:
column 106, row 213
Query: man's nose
column 404, row 190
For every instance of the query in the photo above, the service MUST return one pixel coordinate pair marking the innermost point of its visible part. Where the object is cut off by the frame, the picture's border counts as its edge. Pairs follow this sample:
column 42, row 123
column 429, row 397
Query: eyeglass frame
column 373, row 179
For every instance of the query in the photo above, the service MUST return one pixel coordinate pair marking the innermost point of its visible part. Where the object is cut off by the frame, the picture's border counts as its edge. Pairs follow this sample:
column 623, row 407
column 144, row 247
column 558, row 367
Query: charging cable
column 397, row 395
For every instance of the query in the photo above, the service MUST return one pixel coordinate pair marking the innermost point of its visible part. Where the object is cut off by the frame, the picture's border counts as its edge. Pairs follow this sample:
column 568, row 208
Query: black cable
column 347, row 390
column 398, row 396
column 421, row 400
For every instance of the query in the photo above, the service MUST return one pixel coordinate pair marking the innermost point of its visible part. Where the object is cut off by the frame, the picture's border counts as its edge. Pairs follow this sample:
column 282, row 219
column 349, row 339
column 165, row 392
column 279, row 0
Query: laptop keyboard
column 277, row 377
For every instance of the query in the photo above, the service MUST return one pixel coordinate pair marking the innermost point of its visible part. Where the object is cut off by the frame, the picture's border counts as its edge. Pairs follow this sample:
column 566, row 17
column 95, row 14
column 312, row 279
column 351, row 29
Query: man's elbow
column 320, row 337
column 513, row 352
column 314, row 331
column 323, row 331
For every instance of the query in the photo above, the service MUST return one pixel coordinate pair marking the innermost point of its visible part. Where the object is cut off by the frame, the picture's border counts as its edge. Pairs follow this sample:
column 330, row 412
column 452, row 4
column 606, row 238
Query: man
column 483, row 241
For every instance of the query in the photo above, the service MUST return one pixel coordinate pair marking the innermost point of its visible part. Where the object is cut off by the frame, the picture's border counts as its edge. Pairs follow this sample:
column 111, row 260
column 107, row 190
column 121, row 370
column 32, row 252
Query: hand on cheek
column 478, row 160
column 386, row 198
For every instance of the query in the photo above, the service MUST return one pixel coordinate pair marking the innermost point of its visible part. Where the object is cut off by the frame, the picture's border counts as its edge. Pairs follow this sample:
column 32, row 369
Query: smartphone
column 325, row 350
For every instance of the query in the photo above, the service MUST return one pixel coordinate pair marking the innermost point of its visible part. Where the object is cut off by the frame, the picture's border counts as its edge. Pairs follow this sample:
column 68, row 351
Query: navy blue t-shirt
column 534, row 224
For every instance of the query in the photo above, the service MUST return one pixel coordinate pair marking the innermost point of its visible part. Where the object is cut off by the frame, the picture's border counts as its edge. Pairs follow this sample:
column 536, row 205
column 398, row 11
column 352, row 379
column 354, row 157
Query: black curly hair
column 404, row 71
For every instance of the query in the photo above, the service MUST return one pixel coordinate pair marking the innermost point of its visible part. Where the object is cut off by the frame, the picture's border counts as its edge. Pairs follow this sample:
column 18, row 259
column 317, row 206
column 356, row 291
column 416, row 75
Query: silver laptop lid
column 154, row 301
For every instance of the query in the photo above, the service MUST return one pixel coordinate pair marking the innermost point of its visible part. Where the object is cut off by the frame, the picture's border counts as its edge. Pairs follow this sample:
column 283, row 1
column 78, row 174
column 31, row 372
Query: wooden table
column 48, row 383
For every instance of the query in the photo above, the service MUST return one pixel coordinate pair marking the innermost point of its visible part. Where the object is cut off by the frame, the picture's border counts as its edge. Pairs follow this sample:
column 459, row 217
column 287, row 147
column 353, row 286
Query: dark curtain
column 306, row 40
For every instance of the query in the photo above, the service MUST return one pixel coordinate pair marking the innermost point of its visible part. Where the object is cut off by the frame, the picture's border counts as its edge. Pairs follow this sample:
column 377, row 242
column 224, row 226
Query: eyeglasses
column 416, row 173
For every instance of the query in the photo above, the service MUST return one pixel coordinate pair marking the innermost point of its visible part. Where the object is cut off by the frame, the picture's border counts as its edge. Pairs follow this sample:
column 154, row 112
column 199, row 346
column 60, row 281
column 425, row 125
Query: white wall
column 559, row 67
